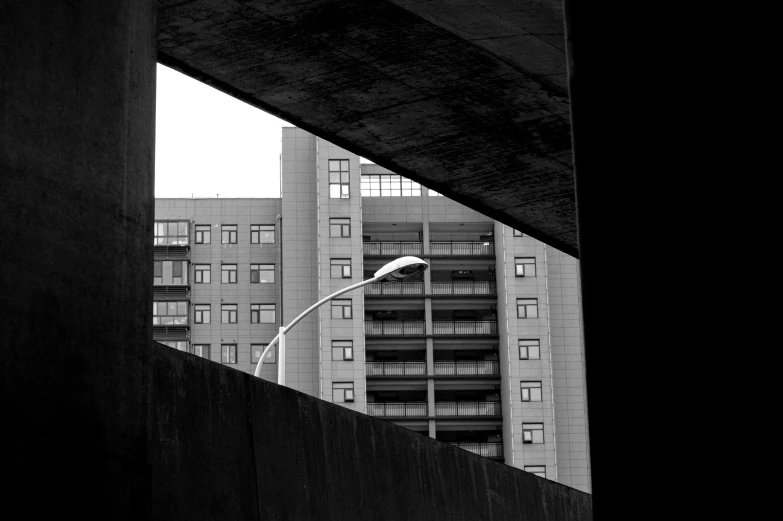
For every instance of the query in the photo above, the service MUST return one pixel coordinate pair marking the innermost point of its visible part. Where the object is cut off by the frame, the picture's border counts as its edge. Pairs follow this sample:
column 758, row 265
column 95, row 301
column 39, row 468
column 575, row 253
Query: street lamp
column 396, row 270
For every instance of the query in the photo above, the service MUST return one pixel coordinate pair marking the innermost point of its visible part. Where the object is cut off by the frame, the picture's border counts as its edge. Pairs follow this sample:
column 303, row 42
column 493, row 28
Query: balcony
column 467, row 368
column 486, row 449
column 471, row 248
column 483, row 327
column 398, row 409
column 395, row 288
column 396, row 249
column 465, row 287
column 390, row 327
column 468, row 409
column 407, row 368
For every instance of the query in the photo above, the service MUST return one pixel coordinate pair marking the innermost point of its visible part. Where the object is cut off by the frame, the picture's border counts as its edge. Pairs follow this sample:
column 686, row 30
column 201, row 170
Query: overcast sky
column 208, row 143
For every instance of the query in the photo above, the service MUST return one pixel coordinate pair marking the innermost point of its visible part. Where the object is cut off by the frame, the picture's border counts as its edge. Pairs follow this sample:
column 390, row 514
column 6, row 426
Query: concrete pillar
column 425, row 236
column 428, row 316
column 77, row 122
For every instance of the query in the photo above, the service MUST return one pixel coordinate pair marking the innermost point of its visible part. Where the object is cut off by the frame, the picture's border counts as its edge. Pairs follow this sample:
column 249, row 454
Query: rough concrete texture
column 77, row 108
column 226, row 445
column 468, row 99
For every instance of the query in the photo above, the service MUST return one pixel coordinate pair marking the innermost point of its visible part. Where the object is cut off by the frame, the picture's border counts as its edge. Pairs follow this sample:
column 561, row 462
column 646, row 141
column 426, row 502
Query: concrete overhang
column 468, row 98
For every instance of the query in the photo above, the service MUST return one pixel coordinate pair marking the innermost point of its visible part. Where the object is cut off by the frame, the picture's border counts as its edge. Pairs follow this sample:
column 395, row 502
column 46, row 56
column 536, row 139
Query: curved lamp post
column 396, row 270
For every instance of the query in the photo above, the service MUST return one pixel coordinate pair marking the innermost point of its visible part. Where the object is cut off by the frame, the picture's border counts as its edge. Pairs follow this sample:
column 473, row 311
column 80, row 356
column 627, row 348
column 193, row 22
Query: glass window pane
column 334, row 191
column 182, row 228
column 532, row 311
column 172, row 229
column 344, row 164
column 345, row 177
column 334, row 177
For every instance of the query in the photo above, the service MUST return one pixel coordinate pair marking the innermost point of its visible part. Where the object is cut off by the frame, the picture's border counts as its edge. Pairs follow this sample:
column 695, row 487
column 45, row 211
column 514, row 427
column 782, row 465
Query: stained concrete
column 468, row 99
column 226, row 445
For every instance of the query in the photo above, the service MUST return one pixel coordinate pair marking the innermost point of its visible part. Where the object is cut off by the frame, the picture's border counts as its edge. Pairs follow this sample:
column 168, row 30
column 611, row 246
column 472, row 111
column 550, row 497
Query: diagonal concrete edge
column 382, row 81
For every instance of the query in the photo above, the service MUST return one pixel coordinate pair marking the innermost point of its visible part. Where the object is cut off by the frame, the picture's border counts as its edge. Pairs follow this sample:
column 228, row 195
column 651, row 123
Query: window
column 389, row 185
column 341, row 308
column 262, row 273
column 342, row 350
column 339, row 227
column 201, row 350
column 339, row 179
column 228, row 314
column 228, row 353
column 203, row 234
column 531, row 391
column 229, row 234
column 529, row 350
column 228, row 273
column 527, row 308
column 171, row 233
column 538, row 470
column 169, row 313
column 342, row 392
column 257, row 349
column 179, row 345
column 202, row 314
column 203, row 274
column 433, row 193
column 170, row 272
column 517, row 233
column 262, row 313
column 341, row 268
column 532, row 433
column 262, row 234
column 525, row 266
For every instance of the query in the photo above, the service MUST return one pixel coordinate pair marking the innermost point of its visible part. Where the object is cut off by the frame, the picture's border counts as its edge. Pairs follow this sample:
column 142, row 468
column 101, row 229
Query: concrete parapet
column 226, row 445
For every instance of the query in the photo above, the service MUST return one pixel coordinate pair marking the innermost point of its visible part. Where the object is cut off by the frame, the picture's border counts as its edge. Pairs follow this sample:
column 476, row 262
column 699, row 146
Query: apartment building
column 483, row 350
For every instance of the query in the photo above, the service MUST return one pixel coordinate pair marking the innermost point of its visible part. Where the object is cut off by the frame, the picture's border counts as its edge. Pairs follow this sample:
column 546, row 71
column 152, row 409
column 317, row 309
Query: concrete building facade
column 483, row 350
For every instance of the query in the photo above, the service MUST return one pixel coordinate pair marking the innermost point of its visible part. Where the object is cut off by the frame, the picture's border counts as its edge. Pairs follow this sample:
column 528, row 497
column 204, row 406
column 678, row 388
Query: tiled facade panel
column 513, row 328
column 568, row 370
column 243, row 213
column 340, row 371
column 300, row 275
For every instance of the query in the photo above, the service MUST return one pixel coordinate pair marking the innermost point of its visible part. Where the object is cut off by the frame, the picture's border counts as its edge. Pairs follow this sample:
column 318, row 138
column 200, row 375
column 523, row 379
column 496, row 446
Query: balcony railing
column 467, row 368
column 462, row 248
column 467, row 409
column 403, row 409
column 390, row 327
column 464, row 287
column 486, row 449
column 395, row 288
column 484, row 327
column 392, row 248
column 407, row 368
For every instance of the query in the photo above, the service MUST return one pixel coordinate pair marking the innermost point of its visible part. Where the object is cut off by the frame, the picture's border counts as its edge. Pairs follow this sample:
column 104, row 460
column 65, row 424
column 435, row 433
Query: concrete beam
column 469, row 100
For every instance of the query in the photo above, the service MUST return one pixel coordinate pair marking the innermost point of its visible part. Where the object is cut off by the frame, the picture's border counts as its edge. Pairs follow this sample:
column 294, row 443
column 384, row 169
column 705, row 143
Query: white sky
column 208, row 143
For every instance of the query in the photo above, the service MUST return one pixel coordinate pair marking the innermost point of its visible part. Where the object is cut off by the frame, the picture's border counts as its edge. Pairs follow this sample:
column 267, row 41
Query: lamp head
column 401, row 268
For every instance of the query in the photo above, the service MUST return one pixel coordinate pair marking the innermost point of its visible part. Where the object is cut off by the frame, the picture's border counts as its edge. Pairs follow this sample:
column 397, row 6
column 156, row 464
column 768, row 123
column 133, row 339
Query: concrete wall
column 226, row 445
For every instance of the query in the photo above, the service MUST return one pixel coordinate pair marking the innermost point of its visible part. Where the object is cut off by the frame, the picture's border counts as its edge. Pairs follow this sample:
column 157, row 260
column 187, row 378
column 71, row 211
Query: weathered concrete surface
column 77, row 108
column 469, row 99
column 226, row 445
